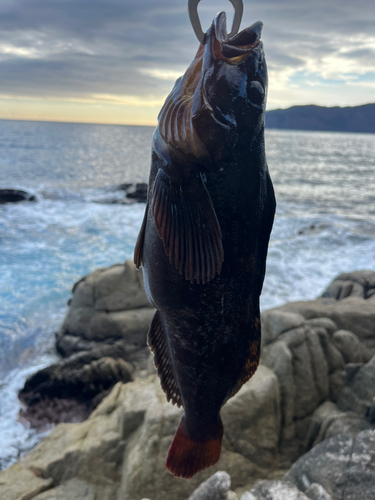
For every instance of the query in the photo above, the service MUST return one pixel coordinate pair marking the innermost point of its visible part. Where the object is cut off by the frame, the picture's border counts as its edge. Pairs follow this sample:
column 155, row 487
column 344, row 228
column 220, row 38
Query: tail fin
column 188, row 456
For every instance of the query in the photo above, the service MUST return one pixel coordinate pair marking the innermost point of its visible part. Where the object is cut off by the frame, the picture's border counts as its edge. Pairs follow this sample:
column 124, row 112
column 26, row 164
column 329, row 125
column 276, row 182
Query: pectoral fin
column 186, row 222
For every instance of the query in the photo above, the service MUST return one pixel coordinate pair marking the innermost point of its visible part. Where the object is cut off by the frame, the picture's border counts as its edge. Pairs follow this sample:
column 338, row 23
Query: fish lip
column 233, row 50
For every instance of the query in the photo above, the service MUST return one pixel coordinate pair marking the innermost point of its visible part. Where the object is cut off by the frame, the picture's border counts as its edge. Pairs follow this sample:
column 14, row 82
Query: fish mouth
column 233, row 50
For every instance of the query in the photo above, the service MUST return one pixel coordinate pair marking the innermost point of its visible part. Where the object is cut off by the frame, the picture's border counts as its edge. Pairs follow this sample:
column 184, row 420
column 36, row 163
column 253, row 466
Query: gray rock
column 325, row 323
column 71, row 490
column 325, row 410
column 307, row 397
column 333, row 356
column 348, row 423
column 358, row 393
column 354, row 284
column 278, row 357
column 215, row 488
column 275, row 322
column 120, row 288
column 317, row 492
column 274, row 490
column 354, row 314
column 318, row 363
column 349, row 346
column 343, row 465
column 336, row 385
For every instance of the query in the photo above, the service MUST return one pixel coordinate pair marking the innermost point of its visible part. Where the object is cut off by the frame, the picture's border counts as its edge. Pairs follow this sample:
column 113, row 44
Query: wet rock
column 215, row 488
column 274, row 490
column 135, row 192
column 15, row 196
column 343, row 465
column 69, row 390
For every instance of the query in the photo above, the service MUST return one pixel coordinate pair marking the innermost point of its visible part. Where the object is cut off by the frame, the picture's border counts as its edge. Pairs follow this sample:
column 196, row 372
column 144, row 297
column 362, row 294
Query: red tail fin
column 187, row 456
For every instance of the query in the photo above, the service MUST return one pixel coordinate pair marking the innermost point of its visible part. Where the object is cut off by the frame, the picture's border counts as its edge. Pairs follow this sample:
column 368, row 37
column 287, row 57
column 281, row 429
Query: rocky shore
column 302, row 428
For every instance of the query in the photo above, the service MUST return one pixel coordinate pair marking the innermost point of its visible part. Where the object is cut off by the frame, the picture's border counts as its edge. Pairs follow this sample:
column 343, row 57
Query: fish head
column 219, row 104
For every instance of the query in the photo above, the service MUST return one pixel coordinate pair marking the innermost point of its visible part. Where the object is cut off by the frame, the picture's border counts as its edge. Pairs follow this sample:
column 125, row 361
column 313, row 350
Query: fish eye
column 256, row 93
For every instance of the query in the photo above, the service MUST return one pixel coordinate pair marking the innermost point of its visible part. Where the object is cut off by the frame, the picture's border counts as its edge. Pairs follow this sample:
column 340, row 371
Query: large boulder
column 343, row 465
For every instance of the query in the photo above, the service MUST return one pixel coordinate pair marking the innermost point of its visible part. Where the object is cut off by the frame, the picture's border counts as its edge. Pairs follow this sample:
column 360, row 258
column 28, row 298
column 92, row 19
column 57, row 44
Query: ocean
column 325, row 225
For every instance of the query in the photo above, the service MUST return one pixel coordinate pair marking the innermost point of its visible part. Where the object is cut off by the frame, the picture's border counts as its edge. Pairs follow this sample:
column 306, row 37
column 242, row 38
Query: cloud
column 84, row 49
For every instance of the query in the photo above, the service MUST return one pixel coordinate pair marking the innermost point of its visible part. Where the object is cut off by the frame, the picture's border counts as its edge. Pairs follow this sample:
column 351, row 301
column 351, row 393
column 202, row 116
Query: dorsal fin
column 158, row 344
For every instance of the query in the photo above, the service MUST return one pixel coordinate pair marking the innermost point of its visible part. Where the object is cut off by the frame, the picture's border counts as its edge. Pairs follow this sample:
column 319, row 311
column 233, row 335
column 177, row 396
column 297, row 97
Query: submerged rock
column 15, row 196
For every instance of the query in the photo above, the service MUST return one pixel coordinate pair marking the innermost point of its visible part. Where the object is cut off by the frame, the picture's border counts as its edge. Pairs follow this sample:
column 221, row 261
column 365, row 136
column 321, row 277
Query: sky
column 115, row 61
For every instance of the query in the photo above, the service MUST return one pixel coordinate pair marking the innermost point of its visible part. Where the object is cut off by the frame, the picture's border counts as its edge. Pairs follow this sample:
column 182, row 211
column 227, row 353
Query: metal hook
column 197, row 27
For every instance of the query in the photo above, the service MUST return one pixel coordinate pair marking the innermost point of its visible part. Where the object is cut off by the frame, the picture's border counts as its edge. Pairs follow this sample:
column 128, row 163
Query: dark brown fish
column 204, row 238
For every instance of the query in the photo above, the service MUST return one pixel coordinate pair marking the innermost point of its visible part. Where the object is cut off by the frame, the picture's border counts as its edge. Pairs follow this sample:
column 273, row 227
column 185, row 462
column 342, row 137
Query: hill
column 336, row 119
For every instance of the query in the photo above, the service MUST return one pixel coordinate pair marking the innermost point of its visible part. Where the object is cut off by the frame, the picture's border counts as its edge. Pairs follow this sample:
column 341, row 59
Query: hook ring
column 195, row 21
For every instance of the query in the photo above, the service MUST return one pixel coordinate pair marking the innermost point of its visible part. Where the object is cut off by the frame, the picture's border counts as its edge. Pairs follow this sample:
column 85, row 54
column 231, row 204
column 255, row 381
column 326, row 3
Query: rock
column 14, row 196
column 274, row 490
column 354, row 314
column 63, row 392
column 343, row 465
column 215, row 488
column 71, row 490
column 333, row 356
column 137, row 192
column 336, row 384
column 318, row 363
column 325, row 410
column 278, row 358
column 349, row 346
column 325, row 323
column 252, row 424
column 307, row 396
column 348, row 423
column 20, row 483
column 317, row 492
column 358, row 393
column 119, row 288
column 275, row 322
column 354, row 284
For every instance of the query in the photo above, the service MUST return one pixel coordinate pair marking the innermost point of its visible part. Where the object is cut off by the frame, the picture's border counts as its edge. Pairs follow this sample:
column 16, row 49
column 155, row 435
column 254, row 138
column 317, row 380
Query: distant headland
column 336, row 119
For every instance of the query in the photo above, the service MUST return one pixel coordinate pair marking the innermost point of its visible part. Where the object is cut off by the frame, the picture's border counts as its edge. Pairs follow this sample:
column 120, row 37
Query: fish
column 204, row 238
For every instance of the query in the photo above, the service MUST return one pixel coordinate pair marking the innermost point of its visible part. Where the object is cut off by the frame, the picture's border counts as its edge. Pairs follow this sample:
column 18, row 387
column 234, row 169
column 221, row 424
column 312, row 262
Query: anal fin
column 138, row 251
column 158, row 344
column 187, row 223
